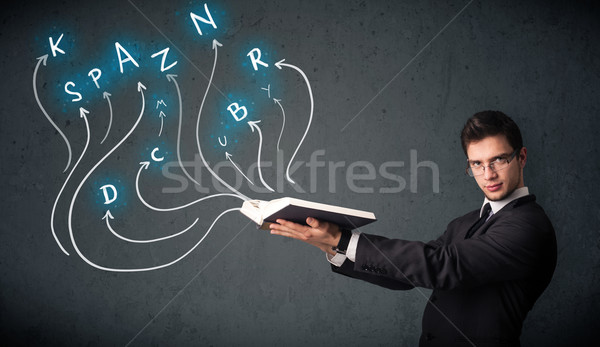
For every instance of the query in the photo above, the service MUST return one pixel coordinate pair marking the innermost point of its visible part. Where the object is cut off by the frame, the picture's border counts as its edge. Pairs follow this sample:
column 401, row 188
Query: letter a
column 254, row 55
column 195, row 19
column 237, row 109
column 120, row 49
column 107, row 200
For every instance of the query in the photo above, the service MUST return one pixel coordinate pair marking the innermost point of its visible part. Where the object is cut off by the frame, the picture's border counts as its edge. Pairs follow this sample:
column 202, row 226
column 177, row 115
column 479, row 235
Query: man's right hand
column 323, row 235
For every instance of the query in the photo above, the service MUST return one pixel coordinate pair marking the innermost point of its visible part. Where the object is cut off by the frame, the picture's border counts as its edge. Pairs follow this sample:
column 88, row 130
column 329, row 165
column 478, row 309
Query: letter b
column 234, row 108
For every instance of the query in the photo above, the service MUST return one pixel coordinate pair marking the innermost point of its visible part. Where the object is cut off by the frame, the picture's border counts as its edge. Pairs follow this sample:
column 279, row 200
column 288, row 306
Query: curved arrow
column 215, row 45
column 162, row 116
column 278, row 102
column 171, row 78
column 82, row 113
column 140, row 88
column 254, row 125
column 279, row 64
column 41, row 60
column 174, row 261
column 108, row 216
column 228, row 157
column 106, row 95
column 144, row 166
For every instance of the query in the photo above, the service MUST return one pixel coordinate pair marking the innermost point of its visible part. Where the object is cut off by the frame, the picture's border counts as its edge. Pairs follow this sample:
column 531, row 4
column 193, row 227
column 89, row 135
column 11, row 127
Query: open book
column 264, row 213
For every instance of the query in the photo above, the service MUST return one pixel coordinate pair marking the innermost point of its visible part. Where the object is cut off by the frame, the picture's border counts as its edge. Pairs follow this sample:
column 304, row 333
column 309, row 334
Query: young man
column 486, row 270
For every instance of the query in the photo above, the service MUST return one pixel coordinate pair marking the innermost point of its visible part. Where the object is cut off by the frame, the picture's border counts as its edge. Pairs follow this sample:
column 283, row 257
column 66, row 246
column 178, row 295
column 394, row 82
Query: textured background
column 382, row 88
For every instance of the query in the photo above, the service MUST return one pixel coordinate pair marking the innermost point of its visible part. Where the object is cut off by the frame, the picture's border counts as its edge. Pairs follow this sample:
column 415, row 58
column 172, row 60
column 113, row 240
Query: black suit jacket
column 483, row 286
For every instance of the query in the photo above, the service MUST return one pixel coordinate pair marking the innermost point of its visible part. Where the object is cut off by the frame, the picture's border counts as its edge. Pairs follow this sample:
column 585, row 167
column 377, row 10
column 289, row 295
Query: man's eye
column 498, row 160
column 476, row 164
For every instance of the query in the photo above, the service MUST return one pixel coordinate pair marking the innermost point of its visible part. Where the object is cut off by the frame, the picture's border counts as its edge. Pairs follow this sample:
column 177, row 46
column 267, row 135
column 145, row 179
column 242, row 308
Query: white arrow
column 108, row 216
column 82, row 114
column 215, row 45
column 106, row 96
column 140, row 88
column 162, row 116
column 174, row 261
column 253, row 125
column 279, row 64
column 144, row 166
column 228, row 157
column 41, row 60
column 278, row 102
column 171, row 78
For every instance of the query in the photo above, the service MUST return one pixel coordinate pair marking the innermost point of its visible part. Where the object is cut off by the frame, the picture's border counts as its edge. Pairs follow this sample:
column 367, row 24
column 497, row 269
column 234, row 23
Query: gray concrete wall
column 393, row 83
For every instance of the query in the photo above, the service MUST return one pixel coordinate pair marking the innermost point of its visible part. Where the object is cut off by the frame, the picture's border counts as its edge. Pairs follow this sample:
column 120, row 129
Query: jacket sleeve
column 377, row 275
column 510, row 249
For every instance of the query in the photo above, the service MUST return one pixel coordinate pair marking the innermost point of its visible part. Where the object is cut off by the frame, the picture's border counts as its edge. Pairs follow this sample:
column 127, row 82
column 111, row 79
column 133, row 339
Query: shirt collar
column 498, row 205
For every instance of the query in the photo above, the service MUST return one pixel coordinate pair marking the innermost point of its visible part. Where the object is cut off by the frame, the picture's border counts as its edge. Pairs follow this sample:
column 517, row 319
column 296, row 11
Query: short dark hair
column 490, row 123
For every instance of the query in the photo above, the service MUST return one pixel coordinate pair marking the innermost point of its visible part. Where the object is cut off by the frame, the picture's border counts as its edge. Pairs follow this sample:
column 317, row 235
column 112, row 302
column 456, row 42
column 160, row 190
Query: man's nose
column 489, row 174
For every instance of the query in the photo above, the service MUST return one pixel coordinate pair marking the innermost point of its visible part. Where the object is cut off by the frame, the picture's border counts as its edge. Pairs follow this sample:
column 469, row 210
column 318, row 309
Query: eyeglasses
column 478, row 169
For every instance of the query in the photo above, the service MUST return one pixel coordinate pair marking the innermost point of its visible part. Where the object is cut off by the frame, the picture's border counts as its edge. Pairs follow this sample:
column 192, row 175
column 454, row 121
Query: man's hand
column 323, row 235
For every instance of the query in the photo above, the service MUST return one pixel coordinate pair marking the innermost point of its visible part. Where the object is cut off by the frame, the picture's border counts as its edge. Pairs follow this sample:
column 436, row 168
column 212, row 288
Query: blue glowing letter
column 107, row 200
column 72, row 93
column 195, row 19
column 237, row 107
column 95, row 74
column 120, row 49
column 154, row 157
column 254, row 55
column 54, row 47
column 162, row 64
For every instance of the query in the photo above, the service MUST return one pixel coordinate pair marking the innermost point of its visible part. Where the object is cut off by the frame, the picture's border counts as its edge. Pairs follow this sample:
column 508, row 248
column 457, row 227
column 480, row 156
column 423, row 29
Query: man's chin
column 495, row 196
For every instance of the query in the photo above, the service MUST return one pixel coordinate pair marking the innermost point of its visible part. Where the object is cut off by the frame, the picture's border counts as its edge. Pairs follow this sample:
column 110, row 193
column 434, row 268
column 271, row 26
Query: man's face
column 496, row 185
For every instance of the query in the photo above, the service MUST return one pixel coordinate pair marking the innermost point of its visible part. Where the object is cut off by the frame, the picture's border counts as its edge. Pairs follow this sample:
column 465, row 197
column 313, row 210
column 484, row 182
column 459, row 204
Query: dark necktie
column 484, row 216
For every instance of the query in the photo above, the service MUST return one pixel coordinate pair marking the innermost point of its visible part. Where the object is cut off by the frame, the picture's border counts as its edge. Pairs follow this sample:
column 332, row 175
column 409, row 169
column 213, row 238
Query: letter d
column 107, row 200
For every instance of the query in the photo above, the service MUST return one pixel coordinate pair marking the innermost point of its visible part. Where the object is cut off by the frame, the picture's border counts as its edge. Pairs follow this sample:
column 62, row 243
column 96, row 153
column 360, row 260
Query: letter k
column 54, row 47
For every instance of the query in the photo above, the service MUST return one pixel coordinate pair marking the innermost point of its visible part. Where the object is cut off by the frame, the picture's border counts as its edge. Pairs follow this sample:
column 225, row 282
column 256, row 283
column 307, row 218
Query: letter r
column 255, row 55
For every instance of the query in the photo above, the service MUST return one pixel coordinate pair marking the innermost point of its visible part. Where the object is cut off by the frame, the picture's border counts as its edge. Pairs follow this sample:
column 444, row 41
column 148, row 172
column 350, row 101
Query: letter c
column 154, row 156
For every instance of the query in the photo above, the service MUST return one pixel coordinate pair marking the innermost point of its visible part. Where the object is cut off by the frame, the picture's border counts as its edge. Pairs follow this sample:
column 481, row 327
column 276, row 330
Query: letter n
column 196, row 18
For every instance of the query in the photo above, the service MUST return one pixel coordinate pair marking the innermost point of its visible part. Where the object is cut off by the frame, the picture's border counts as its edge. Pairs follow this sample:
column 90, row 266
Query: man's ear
column 523, row 157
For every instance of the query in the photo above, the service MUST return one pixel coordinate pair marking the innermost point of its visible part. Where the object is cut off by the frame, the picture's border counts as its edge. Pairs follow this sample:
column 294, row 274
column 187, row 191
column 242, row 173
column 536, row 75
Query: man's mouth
column 493, row 187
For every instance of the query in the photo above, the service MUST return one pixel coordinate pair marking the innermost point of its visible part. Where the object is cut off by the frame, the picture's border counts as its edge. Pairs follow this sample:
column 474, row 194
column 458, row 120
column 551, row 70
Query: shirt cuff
column 352, row 246
column 337, row 259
